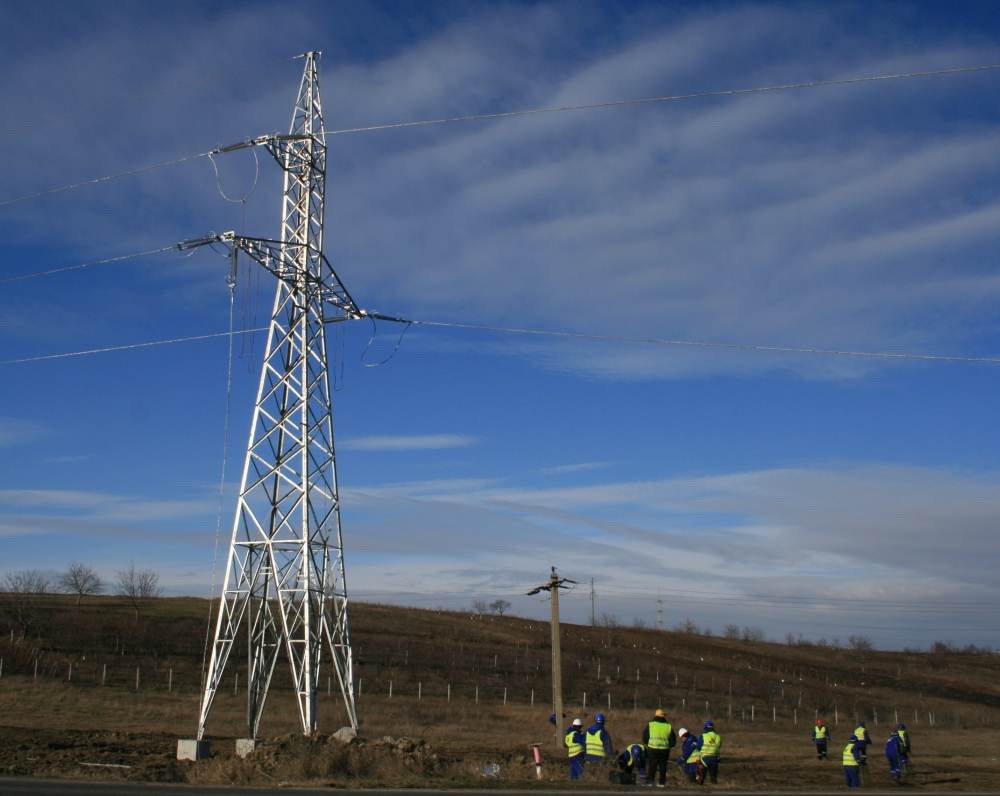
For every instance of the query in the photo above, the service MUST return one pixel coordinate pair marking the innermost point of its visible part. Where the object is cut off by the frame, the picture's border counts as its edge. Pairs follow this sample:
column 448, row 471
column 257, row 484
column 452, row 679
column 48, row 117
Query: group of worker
column 649, row 759
column 855, row 754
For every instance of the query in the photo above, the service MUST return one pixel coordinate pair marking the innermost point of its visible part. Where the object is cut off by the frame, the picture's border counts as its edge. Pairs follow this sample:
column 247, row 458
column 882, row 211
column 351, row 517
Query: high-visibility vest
column 849, row 759
column 711, row 743
column 595, row 746
column 694, row 757
column 820, row 733
column 572, row 747
column 904, row 739
column 861, row 734
column 659, row 735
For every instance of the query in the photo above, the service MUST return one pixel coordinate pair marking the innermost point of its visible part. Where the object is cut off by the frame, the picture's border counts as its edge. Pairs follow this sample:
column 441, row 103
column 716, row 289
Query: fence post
column 836, row 716
column 609, row 701
column 774, row 714
column 420, row 691
column 505, row 696
column 69, row 672
column 795, row 717
column 449, row 695
column 236, row 683
column 390, row 689
column 36, row 668
column 477, row 699
column 361, row 681
column 170, row 680
column 637, row 674
column 104, row 674
column 751, row 712
column 532, row 696
column 876, row 716
column 136, row 678
column 1, row 668
column 584, row 700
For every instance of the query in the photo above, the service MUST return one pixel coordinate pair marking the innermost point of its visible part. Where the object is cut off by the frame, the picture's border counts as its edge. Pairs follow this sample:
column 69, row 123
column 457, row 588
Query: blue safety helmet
column 900, row 726
column 709, row 725
column 861, row 724
column 599, row 718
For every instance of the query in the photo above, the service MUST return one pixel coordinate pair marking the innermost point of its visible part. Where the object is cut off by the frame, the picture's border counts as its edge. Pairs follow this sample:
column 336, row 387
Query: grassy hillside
column 764, row 696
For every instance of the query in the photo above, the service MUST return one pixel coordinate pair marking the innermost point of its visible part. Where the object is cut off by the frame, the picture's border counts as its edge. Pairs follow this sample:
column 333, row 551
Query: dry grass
column 49, row 726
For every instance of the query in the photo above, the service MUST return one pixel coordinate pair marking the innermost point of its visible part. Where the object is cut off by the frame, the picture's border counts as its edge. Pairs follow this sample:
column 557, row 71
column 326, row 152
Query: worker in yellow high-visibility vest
column 710, row 747
column 599, row 746
column 821, row 737
column 576, row 747
column 659, row 738
column 851, row 759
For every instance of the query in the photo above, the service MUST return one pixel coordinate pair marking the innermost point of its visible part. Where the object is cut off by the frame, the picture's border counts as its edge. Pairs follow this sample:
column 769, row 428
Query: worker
column 710, row 747
column 631, row 764
column 863, row 738
column 659, row 738
column 821, row 736
column 852, row 763
column 576, row 744
column 690, row 761
column 599, row 746
column 894, row 754
column 904, row 736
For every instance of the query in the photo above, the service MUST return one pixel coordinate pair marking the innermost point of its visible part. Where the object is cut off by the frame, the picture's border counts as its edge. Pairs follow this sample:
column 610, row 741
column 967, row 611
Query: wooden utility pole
column 555, row 583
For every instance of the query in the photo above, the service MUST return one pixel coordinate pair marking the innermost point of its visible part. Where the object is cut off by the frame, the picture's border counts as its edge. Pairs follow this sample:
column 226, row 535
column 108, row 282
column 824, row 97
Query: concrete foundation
column 245, row 746
column 191, row 749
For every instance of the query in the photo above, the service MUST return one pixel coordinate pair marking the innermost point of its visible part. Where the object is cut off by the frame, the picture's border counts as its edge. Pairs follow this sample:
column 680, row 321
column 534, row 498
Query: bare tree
column 732, row 632
column 860, row 643
column 608, row 620
column 499, row 607
column 138, row 586
column 81, row 580
column 688, row 626
column 752, row 634
column 639, row 623
column 23, row 590
column 480, row 607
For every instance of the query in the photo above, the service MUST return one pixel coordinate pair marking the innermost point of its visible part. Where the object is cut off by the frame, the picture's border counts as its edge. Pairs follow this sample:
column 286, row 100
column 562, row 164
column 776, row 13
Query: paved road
column 11, row 786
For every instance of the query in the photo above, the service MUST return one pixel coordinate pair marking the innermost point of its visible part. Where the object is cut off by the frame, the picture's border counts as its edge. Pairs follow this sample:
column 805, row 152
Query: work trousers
column 821, row 750
column 853, row 776
column 656, row 765
column 576, row 766
column 894, row 765
column 711, row 763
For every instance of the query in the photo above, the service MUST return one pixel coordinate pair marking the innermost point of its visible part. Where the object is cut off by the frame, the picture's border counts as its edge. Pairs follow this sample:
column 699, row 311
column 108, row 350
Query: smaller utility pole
column 555, row 583
column 593, row 604
column 659, row 612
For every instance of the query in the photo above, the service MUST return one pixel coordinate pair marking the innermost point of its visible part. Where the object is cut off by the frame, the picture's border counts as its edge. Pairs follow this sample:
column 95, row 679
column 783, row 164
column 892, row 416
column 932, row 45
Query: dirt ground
column 53, row 730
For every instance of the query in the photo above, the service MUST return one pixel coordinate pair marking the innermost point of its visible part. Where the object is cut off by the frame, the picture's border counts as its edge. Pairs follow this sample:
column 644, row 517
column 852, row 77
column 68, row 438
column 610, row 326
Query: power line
column 105, row 178
column 79, row 266
column 729, row 92
column 733, row 92
column 130, row 346
column 697, row 343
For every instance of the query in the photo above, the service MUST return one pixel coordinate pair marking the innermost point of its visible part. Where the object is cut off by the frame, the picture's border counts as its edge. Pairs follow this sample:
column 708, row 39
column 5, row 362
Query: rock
column 345, row 735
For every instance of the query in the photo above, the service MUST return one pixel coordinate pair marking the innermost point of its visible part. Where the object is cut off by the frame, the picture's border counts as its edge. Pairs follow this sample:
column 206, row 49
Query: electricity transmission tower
column 285, row 581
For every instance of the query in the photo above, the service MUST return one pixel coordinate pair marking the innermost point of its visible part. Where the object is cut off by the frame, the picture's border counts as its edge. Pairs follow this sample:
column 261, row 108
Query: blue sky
column 803, row 494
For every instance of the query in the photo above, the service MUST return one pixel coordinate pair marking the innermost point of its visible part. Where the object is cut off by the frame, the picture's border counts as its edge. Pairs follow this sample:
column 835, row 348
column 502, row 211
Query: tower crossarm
column 282, row 259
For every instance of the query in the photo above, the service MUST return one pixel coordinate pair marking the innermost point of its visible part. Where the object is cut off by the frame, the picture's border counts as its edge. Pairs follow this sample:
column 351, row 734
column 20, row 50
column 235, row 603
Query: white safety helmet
column 577, row 723
column 682, row 731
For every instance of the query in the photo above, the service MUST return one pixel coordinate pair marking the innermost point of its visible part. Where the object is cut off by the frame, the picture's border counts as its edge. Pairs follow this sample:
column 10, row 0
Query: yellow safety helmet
column 659, row 713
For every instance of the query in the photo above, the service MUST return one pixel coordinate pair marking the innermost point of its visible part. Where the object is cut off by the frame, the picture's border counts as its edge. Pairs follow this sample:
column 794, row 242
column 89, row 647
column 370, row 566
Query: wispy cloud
column 15, row 431
column 402, row 442
column 582, row 467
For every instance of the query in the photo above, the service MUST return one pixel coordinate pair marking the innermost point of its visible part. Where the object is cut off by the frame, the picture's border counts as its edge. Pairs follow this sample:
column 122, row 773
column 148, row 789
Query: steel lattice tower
column 285, row 579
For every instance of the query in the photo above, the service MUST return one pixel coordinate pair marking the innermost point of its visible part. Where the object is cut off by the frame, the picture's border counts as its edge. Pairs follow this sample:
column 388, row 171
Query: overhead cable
column 105, row 178
column 731, row 92
column 781, row 349
column 130, row 346
column 79, row 266
column 727, row 92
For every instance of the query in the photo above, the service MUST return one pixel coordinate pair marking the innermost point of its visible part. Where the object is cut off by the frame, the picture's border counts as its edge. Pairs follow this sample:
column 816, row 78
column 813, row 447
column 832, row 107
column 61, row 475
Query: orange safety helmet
column 819, row 722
